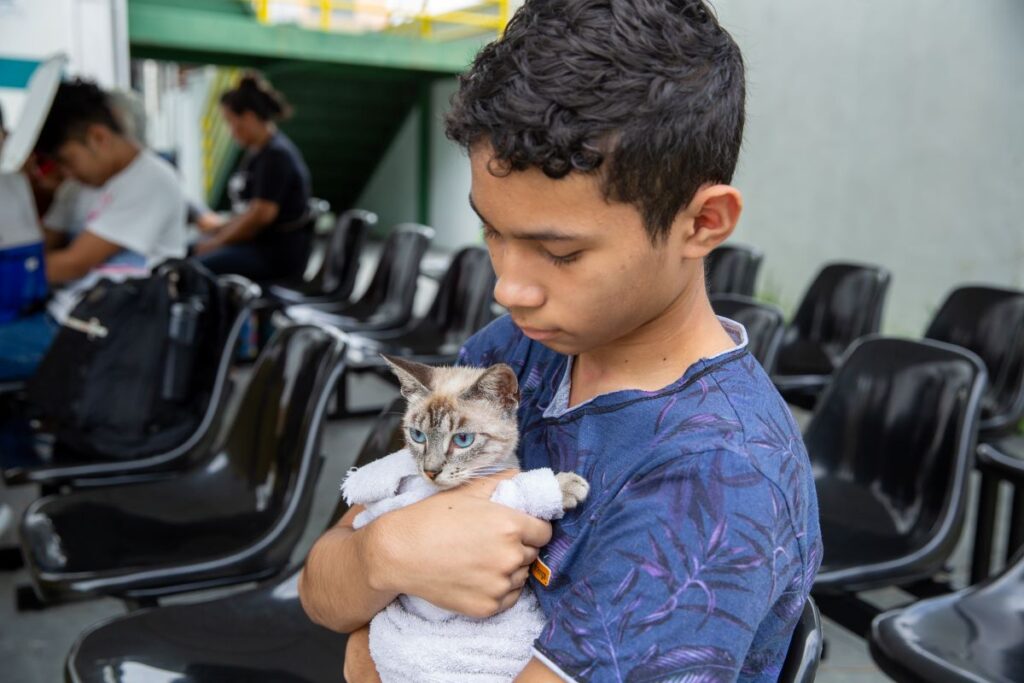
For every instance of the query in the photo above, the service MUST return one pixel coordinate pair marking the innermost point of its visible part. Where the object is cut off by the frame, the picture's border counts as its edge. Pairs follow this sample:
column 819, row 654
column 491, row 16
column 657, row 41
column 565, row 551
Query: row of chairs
column 899, row 450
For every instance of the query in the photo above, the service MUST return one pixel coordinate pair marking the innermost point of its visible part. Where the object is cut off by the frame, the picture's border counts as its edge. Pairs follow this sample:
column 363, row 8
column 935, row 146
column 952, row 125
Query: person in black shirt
column 269, row 235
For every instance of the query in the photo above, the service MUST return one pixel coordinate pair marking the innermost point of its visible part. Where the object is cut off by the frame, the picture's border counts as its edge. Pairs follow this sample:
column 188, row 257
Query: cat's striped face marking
column 460, row 422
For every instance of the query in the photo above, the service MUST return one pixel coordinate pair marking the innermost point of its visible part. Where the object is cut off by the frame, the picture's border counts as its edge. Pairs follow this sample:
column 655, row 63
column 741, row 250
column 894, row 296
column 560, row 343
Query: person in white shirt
column 139, row 208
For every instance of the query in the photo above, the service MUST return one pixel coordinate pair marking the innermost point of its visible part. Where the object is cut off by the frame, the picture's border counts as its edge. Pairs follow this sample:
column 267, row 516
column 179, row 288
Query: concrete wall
column 887, row 132
column 878, row 131
column 393, row 190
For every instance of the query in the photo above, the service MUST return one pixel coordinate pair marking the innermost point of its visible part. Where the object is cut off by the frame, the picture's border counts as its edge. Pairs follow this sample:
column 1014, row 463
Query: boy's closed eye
column 558, row 259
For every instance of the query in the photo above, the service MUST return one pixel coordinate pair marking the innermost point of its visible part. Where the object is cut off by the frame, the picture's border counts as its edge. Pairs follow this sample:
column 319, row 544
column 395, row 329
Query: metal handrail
column 484, row 16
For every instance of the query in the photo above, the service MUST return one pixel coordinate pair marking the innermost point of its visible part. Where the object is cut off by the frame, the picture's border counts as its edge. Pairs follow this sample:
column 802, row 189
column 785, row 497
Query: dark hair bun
column 254, row 93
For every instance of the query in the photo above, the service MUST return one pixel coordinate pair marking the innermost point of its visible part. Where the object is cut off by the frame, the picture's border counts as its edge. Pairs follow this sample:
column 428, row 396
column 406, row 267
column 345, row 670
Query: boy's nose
column 512, row 294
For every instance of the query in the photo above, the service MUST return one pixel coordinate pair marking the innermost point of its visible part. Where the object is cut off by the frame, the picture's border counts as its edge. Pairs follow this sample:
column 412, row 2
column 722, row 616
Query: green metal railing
column 486, row 16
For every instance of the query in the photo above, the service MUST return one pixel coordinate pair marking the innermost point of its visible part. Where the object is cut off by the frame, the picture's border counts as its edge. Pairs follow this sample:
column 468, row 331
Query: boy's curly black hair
column 77, row 105
column 650, row 93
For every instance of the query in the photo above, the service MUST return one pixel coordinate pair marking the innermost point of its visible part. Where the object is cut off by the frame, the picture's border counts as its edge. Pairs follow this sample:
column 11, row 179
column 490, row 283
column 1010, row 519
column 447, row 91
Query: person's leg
column 23, row 343
column 249, row 260
column 270, row 257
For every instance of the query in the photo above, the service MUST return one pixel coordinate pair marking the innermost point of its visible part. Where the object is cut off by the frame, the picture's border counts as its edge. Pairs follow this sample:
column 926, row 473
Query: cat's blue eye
column 463, row 439
column 417, row 436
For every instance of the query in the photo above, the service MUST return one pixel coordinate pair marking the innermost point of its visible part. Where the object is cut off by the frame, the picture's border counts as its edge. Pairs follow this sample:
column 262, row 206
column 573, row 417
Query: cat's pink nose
column 430, row 474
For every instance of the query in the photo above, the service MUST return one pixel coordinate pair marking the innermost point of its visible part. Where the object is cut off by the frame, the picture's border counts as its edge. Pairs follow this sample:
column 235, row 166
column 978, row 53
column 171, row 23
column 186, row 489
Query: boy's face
column 88, row 159
column 576, row 272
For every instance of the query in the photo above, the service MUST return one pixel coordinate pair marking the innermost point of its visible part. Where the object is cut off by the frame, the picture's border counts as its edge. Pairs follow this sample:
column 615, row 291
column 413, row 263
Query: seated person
column 138, row 208
column 602, row 140
column 268, row 237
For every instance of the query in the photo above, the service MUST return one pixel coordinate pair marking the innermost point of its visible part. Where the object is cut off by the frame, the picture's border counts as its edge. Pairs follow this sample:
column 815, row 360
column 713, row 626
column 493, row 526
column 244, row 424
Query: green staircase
column 351, row 92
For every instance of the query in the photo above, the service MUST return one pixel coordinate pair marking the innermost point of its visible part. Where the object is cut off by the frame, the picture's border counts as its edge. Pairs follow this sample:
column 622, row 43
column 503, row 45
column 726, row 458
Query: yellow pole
column 325, row 15
column 503, row 15
column 263, row 11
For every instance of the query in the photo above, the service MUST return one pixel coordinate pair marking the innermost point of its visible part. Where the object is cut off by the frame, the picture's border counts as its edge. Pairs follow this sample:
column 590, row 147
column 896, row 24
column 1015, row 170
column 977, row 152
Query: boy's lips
column 536, row 333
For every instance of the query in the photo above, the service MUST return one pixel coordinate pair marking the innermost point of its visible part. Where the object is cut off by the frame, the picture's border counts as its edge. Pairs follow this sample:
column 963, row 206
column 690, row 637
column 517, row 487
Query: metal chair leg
column 985, row 527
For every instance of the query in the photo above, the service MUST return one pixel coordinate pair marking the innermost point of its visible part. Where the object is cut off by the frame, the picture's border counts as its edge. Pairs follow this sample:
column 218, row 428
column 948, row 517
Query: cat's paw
column 574, row 489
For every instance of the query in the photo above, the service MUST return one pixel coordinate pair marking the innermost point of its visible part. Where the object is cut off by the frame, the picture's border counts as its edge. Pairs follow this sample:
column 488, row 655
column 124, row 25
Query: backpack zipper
column 91, row 327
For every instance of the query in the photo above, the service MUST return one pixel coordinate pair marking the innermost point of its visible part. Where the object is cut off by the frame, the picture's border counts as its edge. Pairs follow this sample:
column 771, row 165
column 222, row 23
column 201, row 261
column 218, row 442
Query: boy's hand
column 359, row 667
column 458, row 550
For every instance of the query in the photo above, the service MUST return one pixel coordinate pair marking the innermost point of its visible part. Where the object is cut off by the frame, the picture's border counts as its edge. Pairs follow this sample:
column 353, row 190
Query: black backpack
column 131, row 371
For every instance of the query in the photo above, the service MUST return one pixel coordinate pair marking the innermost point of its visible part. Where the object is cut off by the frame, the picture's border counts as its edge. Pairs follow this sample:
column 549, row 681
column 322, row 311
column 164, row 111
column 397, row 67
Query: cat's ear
column 413, row 377
column 499, row 384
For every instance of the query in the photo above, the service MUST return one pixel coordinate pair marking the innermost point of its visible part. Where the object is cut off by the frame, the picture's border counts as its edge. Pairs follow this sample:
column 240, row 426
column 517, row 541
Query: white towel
column 413, row 641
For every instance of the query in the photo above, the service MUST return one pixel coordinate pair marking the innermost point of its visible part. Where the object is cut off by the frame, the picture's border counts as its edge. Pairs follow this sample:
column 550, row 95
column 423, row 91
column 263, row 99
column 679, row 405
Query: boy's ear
column 710, row 218
column 97, row 136
column 413, row 377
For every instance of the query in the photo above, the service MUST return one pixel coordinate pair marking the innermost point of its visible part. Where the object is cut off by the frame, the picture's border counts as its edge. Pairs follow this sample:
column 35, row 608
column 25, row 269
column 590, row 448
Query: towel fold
column 413, row 641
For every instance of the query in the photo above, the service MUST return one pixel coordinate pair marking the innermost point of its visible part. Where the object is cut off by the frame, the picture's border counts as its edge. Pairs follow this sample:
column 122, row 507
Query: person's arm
column 243, row 227
column 359, row 666
column 87, row 252
column 456, row 549
column 54, row 239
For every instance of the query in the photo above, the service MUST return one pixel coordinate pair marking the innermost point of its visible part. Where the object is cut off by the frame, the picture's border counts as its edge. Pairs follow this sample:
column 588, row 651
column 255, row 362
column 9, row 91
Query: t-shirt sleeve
column 135, row 212
column 270, row 176
column 686, row 562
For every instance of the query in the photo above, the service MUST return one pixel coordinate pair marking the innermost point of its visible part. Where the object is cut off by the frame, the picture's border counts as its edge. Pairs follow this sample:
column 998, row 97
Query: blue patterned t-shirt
column 693, row 554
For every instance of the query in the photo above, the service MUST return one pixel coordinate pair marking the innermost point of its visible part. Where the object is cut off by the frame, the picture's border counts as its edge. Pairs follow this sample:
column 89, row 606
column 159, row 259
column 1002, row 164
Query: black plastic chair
column 843, row 303
column 387, row 302
column 258, row 636
column 990, row 322
column 805, row 648
column 236, row 519
column 891, row 445
column 732, row 269
column 461, row 307
column 764, row 323
column 334, row 280
column 972, row 635
column 31, row 458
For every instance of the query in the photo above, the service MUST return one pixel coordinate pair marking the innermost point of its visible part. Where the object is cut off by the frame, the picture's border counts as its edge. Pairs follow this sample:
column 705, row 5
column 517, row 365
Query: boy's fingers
column 519, row 577
column 535, row 532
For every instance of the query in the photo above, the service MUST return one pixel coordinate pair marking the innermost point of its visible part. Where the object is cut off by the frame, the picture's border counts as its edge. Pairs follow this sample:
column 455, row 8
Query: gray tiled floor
column 33, row 645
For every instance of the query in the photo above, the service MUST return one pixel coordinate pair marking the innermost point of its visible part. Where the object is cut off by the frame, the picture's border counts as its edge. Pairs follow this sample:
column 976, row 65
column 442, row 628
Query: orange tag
column 540, row 572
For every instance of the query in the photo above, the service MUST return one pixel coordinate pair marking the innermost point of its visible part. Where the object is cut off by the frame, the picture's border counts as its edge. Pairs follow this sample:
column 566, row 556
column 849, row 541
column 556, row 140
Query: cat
column 460, row 423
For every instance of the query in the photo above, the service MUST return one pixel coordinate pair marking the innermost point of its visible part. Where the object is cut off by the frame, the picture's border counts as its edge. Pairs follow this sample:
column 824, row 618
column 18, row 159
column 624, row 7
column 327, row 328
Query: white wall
column 887, row 132
column 879, row 131
column 393, row 190
column 87, row 31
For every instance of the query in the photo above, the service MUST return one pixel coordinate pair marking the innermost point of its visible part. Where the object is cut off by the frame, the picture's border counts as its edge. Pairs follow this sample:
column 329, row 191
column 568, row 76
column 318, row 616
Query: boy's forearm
column 339, row 586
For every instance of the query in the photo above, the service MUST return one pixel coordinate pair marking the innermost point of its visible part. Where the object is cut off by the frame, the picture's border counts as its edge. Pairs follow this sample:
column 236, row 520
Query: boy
column 602, row 137
column 138, row 216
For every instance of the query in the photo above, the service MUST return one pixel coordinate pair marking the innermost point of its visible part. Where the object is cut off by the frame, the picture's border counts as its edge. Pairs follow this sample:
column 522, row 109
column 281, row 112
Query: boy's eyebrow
column 539, row 235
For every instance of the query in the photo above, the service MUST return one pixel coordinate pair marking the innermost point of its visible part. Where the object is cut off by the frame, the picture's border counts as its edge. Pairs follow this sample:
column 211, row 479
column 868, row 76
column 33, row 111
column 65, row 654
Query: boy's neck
column 656, row 354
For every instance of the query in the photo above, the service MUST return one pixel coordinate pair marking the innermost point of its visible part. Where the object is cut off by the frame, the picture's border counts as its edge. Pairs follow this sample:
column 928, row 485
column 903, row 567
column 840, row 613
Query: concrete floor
column 33, row 645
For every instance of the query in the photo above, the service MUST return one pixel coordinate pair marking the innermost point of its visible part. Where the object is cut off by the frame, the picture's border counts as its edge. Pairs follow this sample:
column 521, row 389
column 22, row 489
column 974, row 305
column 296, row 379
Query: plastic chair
column 891, row 445
column 387, row 302
column 461, row 307
column 30, row 458
column 805, row 648
column 764, row 323
column 336, row 277
column 990, row 322
column 972, row 635
column 843, row 303
column 260, row 635
column 236, row 519
column 732, row 269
